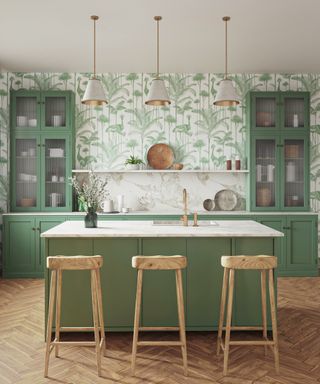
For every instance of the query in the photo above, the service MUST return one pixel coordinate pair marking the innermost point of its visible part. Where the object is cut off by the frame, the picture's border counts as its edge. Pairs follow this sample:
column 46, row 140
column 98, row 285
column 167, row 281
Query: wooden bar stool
column 175, row 263
column 57, row 264
column 264, row 264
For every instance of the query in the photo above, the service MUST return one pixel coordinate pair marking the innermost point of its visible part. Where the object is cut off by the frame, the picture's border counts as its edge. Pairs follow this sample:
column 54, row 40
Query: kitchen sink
column 178, row 223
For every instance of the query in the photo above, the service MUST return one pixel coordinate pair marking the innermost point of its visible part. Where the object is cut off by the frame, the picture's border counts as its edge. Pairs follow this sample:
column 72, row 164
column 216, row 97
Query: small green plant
column 133, row 160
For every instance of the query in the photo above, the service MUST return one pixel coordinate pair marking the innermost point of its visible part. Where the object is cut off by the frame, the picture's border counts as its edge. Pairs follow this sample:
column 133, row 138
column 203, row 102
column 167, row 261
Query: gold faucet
column 184, row 218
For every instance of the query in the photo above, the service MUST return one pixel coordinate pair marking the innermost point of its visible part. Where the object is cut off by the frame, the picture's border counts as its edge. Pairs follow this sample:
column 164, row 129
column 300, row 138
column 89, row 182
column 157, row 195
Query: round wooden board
column 160, row 156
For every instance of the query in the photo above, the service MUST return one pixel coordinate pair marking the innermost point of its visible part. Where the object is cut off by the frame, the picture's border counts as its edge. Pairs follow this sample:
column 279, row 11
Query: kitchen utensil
column 209, row 204
column 291, row 150
column 270, row 173
column 107, row 206
column 160, row 156
column 54, row 178
column 226, row 200
column 263, row 197
column 56, row 152
column 56, row 120
column 22, row 121
column 27, row 202
column 55, row 199
column 290, row 172
column 32, row 122
column 125, row 210
column 120, row 199
column 177, row 166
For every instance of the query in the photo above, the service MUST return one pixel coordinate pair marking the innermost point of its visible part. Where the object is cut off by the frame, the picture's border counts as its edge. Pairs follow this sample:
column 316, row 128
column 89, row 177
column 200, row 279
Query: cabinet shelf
column 244, row 171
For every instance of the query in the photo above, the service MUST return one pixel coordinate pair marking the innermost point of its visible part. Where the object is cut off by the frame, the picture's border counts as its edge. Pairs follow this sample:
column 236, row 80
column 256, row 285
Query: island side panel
column 204, row 281
column 159, row 299
column 247, row 293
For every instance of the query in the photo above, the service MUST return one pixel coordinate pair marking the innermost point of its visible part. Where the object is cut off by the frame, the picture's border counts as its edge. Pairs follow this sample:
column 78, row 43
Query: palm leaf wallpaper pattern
column 202, row 136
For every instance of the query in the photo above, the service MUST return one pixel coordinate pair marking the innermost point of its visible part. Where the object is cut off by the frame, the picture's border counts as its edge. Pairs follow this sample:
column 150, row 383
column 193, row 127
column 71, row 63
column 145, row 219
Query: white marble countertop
column 223, row 228
column 163, row 213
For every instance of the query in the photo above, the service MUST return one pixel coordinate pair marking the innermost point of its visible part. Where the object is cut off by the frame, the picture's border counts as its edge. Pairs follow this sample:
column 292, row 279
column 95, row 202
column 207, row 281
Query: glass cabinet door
column 295, row 113
column 54, row 113
column 265, row 112
column 265, row 150
column 55, row 173
column 26, row 112
column 26, row 173
column 294, row 173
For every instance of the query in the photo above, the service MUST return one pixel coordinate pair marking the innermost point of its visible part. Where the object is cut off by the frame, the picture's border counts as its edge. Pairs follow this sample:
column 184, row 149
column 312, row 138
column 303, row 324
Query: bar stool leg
column 228, row 322
column 182, row 329
column 58, row 310
column 264, row 307
column 50, row 319
column 100, row 310
column 222, row 308
column 274, row 320
column 95, row 319
column 136, row 320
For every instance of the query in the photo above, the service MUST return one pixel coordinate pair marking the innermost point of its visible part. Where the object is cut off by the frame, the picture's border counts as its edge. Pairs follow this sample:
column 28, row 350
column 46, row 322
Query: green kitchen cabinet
column 41, row 150
column 302, row 246
column 159, row 298
column 204, row 276
column 279, row 111
column 23, row 248
column 279, row 156
column 297, row 251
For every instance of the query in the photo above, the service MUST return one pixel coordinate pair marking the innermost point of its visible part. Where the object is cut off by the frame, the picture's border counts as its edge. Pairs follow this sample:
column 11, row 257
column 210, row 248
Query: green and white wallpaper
column 202, row 136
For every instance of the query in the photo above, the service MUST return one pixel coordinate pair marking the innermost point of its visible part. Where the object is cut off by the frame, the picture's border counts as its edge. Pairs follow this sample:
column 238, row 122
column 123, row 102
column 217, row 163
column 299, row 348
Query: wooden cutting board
column 160, row 156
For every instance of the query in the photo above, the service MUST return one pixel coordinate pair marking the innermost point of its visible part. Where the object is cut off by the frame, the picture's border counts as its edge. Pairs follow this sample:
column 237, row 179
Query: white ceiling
column 264, row 35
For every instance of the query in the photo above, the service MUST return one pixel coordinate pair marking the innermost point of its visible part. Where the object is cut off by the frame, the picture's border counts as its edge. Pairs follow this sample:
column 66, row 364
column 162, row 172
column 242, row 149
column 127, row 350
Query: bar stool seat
column 175, row 263
column 58, row 264
column 265, row 264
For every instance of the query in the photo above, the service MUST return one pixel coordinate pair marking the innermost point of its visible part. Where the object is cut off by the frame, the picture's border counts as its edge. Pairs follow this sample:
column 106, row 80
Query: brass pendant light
column 158, row 95
column 94, row 94
column 226, row 95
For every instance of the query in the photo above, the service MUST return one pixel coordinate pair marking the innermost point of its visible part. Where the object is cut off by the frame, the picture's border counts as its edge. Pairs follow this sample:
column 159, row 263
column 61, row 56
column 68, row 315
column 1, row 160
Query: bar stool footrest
column 158, row 328
column 159, row 343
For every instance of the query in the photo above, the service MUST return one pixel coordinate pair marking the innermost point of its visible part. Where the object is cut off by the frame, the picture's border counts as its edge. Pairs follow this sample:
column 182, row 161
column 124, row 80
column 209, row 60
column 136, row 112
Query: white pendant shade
column 158, row 94
column 94, row 94
column 226, row 95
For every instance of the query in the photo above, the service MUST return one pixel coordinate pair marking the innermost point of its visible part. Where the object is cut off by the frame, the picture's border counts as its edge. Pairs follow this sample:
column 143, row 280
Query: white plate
column 226, row 200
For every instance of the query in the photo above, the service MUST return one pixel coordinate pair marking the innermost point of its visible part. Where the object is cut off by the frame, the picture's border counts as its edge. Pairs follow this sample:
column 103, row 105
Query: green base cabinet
column 297, row 252
column 24, row 251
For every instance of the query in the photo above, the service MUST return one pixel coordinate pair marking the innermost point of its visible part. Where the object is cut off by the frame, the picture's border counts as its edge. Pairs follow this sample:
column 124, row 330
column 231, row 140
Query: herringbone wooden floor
column 22, row 346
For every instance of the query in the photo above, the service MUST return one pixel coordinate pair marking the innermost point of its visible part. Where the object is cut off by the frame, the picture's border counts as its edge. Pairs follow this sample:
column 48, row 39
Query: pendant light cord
column 94, row 18
column 226, row 19
column 157, row 19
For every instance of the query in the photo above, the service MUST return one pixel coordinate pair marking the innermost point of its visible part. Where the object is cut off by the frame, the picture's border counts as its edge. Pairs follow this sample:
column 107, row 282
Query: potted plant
column 133, row 163
column 91, row 194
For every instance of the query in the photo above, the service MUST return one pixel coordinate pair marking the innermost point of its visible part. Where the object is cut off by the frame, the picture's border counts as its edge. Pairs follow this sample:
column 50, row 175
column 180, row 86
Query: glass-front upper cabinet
column 41, row 150
column 266, row 160
column 32, row 110
column 280, row 111
column 56, row 182
column 279, row 151
column 294, row 169
column 25, row 173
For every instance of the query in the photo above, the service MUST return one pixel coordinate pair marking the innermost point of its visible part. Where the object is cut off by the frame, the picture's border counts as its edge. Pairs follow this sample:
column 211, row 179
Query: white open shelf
column 157, row 171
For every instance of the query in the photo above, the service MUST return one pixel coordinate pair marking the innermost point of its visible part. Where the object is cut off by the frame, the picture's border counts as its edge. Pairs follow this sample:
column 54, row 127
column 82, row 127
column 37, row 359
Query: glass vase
column 91, row 219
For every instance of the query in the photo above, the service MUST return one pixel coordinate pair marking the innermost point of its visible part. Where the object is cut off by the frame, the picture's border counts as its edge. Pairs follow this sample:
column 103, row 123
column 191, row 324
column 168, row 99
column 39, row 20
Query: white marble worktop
column 164, row 213
column 223, row 228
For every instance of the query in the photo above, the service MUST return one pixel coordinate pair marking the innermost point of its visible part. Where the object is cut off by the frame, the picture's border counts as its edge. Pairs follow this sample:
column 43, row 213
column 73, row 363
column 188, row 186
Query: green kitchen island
column 203, row 246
